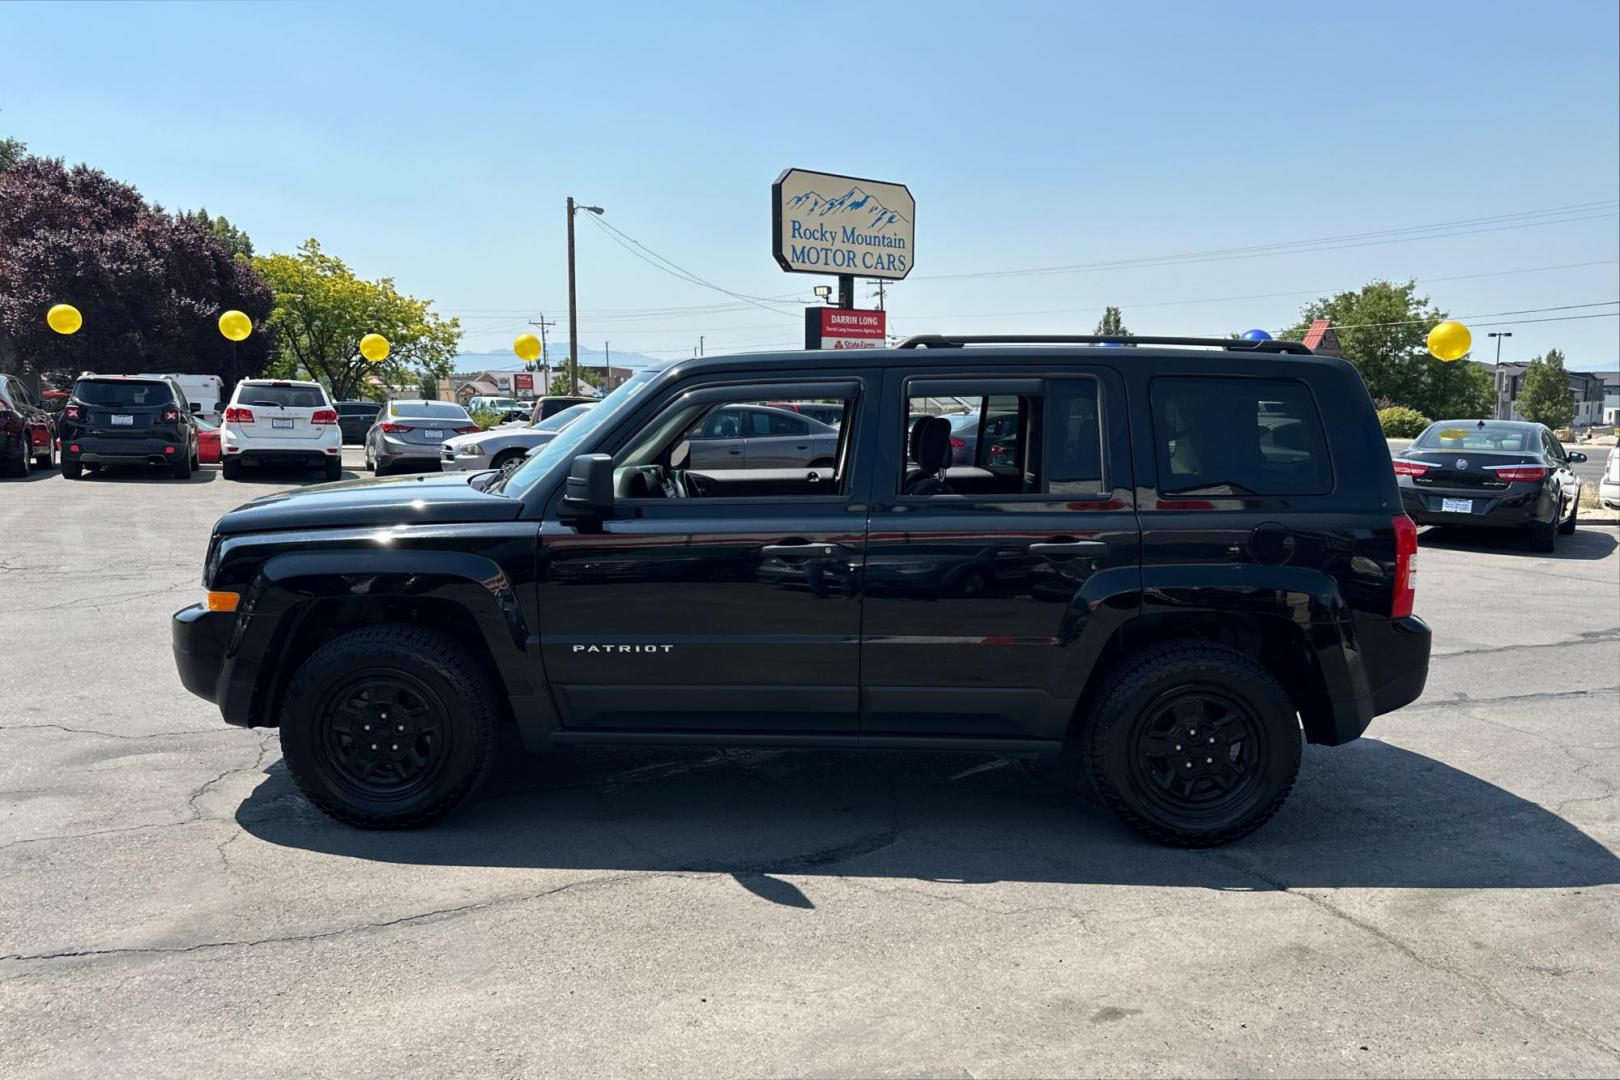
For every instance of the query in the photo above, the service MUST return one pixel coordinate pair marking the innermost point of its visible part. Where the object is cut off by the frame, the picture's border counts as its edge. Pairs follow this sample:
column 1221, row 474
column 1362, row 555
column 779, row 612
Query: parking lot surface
column 1441, row 897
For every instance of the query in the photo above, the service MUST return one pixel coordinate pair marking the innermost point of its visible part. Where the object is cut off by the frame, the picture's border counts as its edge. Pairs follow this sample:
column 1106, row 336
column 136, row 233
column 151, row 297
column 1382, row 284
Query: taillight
column 1405, row 567
column 238, row 415
column 73, row 412
column 1512, row 473
column 957, row 444
column 394, row 429
column 170, row 416
column 1411, row 468
column 324, row 416
column 469, row 429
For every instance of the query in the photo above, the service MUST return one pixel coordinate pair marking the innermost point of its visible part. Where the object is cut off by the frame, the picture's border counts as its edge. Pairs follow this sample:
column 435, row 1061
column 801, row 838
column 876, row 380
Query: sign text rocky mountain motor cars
column 828, row 224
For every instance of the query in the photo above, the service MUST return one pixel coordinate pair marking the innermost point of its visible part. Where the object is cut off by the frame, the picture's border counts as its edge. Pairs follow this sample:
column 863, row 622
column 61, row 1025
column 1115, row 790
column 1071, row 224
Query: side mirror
column 1576, row 457
column 589, row 490
column 196, row 410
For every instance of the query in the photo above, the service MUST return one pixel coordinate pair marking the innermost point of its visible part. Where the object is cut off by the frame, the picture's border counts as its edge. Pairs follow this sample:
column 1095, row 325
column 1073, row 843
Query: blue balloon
column 1256, row 335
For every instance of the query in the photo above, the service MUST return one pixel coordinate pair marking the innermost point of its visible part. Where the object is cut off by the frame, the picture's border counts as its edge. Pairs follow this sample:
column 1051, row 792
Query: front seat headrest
column 931, row 443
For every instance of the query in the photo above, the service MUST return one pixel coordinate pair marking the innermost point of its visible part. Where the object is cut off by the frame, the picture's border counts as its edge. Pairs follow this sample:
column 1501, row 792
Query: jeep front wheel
column 1194, row 744
column 388, row 727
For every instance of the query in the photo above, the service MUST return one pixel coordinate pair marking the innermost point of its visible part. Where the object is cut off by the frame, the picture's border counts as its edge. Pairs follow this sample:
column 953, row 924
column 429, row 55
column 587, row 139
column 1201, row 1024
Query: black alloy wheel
column 382, row 735
column 1193, row 744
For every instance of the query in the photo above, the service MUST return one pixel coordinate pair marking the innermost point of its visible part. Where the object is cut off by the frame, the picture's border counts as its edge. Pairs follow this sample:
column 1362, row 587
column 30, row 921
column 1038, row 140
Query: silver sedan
column 505, row 445
column 411, row 432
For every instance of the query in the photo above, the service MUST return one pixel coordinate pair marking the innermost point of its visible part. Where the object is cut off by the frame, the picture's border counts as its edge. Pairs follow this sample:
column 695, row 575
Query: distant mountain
column 855, row 202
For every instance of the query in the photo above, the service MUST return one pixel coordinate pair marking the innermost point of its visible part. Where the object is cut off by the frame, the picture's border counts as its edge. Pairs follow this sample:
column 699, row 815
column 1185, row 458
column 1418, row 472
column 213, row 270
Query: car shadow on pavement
column 276, row 477
column 145, row 474
column 1583, row 544
column 1366, row 815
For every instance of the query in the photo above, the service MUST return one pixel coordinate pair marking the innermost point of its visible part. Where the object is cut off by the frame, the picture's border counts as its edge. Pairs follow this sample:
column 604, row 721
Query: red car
column 27, row 432
column 207, row 442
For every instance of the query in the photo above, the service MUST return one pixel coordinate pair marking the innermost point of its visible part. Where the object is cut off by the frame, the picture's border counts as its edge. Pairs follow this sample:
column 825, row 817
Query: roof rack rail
column 956, row 341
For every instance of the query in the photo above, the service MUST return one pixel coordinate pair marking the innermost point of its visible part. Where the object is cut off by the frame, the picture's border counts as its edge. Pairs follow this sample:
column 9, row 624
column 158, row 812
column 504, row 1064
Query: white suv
column 276, row 421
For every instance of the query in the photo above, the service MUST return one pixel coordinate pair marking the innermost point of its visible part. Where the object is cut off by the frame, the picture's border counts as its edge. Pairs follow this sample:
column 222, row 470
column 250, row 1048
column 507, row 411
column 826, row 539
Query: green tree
column 11, row 152
column 1112, row 325
column 232, row 239
column 1546, row 397
column 1384, row 329
column 322, row 311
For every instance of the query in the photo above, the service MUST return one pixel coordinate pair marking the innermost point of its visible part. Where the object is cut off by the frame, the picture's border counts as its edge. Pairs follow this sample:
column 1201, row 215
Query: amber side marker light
column 223, row 601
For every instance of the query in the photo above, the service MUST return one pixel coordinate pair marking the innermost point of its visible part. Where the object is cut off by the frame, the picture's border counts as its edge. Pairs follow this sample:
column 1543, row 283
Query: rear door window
column 1234, row 436
column 122, row 393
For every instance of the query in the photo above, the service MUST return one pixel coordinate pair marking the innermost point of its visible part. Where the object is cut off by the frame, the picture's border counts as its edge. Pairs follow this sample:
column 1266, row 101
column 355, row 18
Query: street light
column 573, row 314
column 823, row 293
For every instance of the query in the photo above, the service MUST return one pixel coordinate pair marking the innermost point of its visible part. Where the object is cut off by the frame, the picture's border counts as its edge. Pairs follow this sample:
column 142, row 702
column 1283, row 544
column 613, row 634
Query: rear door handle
column 1069, row 549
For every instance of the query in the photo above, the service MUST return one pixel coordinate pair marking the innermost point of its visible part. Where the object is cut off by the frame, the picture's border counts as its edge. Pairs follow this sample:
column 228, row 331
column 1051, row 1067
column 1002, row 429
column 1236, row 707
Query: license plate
column 1457, row 506
column 283, row 425
column 123, row 421
column 434, row 433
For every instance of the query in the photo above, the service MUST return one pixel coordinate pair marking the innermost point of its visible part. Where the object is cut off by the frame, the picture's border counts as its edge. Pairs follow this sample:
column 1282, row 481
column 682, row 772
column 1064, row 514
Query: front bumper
column 1508, row 509
column 1609, row 493
column 208, row 656
column 452, row 462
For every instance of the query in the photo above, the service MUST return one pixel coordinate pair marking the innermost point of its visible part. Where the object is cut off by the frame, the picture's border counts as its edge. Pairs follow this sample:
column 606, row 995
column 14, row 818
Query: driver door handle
column 1069, row 549
column 801, row 549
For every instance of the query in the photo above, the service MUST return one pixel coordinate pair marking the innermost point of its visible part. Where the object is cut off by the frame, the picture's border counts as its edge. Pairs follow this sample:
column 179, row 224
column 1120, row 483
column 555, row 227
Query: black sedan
column 1499, row 474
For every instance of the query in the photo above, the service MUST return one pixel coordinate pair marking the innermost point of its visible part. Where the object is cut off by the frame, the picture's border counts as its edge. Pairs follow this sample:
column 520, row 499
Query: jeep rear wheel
column 1194, row 745
column 388, row 727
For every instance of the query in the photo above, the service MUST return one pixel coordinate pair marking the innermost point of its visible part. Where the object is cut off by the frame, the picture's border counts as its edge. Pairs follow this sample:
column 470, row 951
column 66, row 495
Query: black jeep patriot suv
column 1157, row 569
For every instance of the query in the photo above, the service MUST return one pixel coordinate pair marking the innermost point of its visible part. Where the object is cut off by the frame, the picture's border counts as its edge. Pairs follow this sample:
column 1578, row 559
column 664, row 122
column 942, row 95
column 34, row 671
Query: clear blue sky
column 436, row 142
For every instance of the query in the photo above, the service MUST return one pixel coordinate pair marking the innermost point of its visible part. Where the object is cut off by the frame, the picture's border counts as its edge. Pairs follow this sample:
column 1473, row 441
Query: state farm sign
column 827, row 224
column 843, row 328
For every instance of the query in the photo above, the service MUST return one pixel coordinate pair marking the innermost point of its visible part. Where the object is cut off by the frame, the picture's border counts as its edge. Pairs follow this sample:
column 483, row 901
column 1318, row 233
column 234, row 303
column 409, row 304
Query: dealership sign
column 522, row 380
column 842, row 328
column 826, row 224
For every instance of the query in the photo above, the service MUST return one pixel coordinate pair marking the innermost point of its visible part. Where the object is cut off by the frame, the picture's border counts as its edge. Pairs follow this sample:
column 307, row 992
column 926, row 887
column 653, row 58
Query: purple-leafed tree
column 150, row 285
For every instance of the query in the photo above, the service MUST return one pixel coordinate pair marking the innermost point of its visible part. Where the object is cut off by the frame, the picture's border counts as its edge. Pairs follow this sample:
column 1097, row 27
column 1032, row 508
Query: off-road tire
column 447, row 677
column 1145, row 686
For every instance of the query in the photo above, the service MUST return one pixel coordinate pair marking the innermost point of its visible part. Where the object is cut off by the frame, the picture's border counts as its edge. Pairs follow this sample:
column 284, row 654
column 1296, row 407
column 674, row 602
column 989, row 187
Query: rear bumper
column 392, row 450
column 99, row 450
column 1393, row 655
column 311, row 456
column 1609, row 493
column 1495, row 510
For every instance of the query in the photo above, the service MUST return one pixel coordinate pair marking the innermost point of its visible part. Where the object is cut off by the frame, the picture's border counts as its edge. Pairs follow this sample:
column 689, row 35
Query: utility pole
column 1504, row 386
column 545, row 358
column 700, row 344
column 880, row 283
column 573, row 308
column 607, row 365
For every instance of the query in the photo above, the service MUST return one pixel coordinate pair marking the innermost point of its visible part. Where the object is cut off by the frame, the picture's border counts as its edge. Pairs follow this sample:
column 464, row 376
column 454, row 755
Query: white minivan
column 205, row 394
column 279, row 421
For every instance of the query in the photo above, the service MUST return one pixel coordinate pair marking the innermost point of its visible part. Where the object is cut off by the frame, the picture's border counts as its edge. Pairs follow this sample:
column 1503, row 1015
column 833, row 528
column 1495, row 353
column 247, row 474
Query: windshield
column 559, row 420
column 605, row 412
column 428, row 410
column 123, row 392
column 1477, row 435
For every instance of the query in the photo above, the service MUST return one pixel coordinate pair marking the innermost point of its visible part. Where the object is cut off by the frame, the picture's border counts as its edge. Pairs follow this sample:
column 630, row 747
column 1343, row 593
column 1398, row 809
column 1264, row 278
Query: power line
column 1437, row 230
column 625, row 240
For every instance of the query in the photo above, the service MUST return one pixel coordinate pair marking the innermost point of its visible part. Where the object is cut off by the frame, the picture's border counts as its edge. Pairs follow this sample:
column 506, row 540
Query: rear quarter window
column 1217, row 435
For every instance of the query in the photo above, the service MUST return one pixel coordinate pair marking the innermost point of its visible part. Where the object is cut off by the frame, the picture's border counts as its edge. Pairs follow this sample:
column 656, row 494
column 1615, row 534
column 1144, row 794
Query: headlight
column 473, row 450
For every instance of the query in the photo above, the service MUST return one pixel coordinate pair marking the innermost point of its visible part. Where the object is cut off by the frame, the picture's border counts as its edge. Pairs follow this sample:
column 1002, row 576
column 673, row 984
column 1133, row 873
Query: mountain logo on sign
column 854, row 201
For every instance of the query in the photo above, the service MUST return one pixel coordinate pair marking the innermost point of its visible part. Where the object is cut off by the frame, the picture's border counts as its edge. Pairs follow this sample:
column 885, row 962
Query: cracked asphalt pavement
column 1441, row 897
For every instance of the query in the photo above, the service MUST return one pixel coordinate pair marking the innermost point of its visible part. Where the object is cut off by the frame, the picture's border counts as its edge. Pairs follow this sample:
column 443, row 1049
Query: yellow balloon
column 235, row 325
column 374, row 347
column 64, row 318
column 1450, row 341
column 527, row 347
